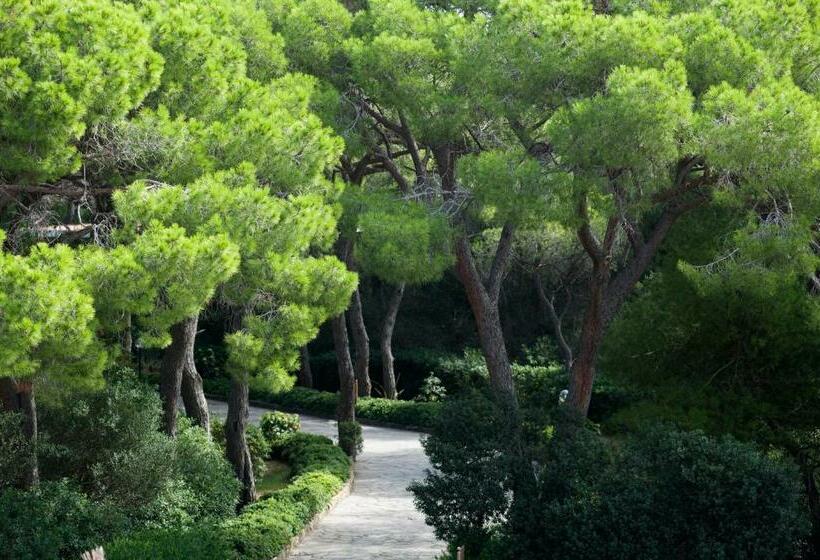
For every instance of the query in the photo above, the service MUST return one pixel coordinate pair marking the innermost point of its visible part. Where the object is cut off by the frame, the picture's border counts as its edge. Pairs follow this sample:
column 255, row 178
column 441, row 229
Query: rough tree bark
column 236, row 423
column 236, row 444
column 483, row 298
column 608, row 291
column 18, row 396
column 304, row 378
column 361, row 345
column 386, row 342
column 173, row 363
column 556, row 321
column 193, row 393
column 346, row 406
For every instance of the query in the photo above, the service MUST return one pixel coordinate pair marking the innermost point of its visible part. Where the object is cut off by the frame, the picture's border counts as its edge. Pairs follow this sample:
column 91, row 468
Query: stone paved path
column 378, row 520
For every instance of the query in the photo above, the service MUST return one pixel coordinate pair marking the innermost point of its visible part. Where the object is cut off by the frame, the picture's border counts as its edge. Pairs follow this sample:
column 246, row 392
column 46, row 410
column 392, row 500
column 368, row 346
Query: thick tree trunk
column 305, row 376
column 18, row 396
column 236, row 444
column 556, row 322
column 484, row 305
column 388, row 324
column 173, row 363
column 361, row 345
column 193, row 393
column 346, row 407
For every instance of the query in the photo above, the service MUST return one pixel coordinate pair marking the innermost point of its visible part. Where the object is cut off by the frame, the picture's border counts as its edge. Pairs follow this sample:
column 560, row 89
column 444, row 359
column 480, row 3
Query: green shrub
column 350, row 438
column 53, row 520
column 655, row 495
column 13, row 446
column 258, row 445
column 109, row 442
column 200, row 543
column 276, row 424
column 266, row 527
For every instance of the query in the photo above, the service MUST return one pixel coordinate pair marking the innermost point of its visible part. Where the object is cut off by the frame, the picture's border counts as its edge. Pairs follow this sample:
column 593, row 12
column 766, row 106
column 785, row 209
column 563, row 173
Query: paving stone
column 378, row 520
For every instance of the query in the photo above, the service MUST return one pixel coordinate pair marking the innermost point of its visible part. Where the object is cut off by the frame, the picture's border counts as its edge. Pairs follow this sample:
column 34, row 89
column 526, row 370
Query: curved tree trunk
column 193, row 393
column 484, row 304
column 346, row 407
column 361, row 345
column 173, row 362
column 556, row 321
column 18, row 396
column 582, row 374
column 305, row 376
column 236, row 444
column 388, row 324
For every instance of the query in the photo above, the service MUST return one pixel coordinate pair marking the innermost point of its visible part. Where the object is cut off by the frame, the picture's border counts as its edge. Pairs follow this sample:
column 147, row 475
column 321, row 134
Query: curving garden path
column 377, row 521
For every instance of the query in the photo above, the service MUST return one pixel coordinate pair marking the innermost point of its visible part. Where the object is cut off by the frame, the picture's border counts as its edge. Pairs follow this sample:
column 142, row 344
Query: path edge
column 345, row 491
column 298, row 410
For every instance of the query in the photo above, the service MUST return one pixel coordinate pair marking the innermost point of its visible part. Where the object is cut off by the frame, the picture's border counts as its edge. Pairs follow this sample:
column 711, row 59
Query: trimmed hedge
column 265, row 528
column 410, row 414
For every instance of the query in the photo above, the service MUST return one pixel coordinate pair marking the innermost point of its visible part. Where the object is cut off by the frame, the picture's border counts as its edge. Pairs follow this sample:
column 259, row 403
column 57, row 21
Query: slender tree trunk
column 556, row 321
column 346, row 407
column 193, row 393
column 236, row 444
column 582, row 375
column 388, row 324
column 305, row 376
column 18, row 396
column 173, row 363
column 361, row 345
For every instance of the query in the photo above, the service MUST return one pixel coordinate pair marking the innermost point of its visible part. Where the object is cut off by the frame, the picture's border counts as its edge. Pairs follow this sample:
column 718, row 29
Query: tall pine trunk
column 304, row 378
column 386, row 342
column 582, row 374
column 18, row 396
column 236, row 443
column 193, row 393
column 361, row 345
column 346, row 406
column 171, row 368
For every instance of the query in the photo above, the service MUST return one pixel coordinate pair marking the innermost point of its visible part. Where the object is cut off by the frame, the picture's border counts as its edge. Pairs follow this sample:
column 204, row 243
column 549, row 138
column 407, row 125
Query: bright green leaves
column 511, row 187
column 46, row 318
column 283, row 291
column 638, row 125
column 66, row 65
column 770, row 138
column 401, row 242
column 184, row 271
column 314, row 32
column 715, row 54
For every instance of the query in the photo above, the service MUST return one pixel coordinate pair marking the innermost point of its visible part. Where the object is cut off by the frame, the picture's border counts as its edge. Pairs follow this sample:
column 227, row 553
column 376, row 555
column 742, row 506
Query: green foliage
column 275, row 425
column 266, row 527
column 259, row 446
column 719, row 498
column 411, row 414
column 109, row 442
column 285, row 291
column 401, row 242
column 53, row 520
column 65, row 66
column 431, row 390
column 46, row 322
column 591, row 497
column 350, row 438
column 206, row 543
column 13, row 447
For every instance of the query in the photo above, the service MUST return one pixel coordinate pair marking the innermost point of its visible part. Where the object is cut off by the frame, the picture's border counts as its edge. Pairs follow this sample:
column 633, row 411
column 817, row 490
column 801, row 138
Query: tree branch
column 501, row 261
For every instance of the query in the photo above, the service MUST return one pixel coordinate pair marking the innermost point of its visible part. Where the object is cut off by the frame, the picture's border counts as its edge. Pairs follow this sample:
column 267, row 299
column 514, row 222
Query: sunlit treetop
column 63, row 66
